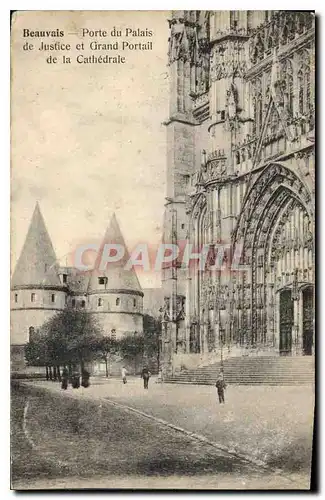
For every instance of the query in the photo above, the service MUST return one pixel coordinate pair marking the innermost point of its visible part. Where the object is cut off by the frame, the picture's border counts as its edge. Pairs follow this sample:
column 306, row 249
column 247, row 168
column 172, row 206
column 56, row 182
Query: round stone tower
column 114, row 293
column 37, row 292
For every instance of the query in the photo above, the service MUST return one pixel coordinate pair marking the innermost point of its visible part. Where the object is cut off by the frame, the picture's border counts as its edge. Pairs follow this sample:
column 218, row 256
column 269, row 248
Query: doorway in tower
column 307, row 320
column 286, row 323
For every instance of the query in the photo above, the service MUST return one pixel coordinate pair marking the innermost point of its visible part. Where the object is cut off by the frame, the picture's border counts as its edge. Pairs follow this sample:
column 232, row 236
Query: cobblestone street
column 244, row 426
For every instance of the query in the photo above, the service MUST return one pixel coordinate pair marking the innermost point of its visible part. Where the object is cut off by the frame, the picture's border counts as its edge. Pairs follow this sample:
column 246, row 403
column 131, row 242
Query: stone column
column 277, row 322
column 166, row 361
column 205, row 333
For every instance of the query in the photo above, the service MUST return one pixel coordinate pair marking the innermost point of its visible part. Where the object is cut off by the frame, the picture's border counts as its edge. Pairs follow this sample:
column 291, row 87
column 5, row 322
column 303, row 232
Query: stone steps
column 297, row 370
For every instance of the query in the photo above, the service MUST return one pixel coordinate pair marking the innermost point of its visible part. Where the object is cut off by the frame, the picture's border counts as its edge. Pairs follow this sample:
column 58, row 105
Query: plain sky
column 87, row 140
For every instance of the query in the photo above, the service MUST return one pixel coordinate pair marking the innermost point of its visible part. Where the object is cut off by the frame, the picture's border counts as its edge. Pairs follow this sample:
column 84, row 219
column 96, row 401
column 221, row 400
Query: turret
column 37, row 292
column 114, row 293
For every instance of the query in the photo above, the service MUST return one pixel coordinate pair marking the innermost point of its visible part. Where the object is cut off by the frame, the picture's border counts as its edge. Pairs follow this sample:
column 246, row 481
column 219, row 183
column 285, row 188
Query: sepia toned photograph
column 162, row 250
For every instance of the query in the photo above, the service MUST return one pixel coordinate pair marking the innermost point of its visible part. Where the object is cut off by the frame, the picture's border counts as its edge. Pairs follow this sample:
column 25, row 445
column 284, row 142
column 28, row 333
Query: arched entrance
column 275, row 232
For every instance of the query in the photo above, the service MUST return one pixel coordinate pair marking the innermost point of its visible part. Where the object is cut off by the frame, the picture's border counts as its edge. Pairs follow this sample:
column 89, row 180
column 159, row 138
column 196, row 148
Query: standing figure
column 75, row 380
column 64, row 378
column 124, row 373
column 85, row 376
column 220, row 385
column 145, row 374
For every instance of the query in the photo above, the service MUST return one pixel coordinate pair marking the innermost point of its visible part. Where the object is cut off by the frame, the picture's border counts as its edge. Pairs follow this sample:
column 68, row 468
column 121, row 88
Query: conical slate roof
column 37, row 264
column 118, row 278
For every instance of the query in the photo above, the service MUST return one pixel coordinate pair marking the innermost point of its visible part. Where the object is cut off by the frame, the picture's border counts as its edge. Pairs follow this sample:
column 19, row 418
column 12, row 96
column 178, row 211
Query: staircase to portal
column 263, row 370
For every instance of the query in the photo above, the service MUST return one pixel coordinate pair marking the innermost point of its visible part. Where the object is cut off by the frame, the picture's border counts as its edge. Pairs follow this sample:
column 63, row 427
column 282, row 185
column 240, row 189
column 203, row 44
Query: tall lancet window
column 304, row 94
column 289, row 92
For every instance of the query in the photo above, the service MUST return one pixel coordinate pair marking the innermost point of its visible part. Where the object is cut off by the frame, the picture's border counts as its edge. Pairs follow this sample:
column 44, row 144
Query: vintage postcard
column 163, row 250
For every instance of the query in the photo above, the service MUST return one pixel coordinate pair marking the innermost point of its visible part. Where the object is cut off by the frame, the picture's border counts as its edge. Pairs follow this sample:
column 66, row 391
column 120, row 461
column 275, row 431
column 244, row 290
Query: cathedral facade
column 240, row 175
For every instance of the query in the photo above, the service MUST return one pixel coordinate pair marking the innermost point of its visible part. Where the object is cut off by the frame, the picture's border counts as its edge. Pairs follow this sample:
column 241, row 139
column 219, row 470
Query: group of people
column 74, row 379
column 145, row 375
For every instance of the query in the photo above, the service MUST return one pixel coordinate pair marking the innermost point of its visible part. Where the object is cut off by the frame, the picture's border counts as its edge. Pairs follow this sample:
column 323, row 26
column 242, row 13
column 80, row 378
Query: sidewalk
column 271, row 424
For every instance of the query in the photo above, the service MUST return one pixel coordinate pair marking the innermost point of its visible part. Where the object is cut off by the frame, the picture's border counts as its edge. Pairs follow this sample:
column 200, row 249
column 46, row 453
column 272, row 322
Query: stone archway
column 275, row 234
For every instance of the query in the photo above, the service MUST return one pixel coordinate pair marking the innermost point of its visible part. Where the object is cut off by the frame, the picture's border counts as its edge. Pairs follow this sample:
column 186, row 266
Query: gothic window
column 304, row 90
column 258, row 114
column 53, row 298
column 274, row 121
column 259, row 48
column 234, row 19
column 300, row 23
column 289, row 93
column 100, row 302
column 32, row 297
column 134, row 302
column 285, row 33
column 254, row 114
column 269, row 44
column 117, row 301
column 301, row 91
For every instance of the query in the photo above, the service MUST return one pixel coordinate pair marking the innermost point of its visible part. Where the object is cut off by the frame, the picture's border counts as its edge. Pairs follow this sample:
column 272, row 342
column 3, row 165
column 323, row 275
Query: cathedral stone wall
column 243, row 81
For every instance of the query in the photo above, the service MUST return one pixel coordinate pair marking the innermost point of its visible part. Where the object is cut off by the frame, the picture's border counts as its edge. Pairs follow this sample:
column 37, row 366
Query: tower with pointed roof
column 114, row 293
column 40, row 288
column 37, row 289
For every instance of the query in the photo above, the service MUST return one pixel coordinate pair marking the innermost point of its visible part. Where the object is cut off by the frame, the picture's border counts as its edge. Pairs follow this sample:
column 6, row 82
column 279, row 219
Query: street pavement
column 257, row 425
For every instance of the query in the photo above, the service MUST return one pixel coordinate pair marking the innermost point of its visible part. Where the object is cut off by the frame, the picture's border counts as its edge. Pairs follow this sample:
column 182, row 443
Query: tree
column 36, row 352
column 131, row 346
column 71, row 337
column 105, row 347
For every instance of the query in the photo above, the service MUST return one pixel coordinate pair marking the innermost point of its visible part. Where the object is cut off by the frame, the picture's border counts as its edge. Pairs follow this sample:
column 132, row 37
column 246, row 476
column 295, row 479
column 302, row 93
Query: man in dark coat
column 145, row 374
column 64, row 379
column 75, row 380
column 220, row 385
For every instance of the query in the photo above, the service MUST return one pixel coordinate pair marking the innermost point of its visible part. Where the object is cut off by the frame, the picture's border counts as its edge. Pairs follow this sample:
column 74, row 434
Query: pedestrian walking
column 85, row 376
column 221, row 386
column 124, row 373
column 145, row 374
column 64, row 379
